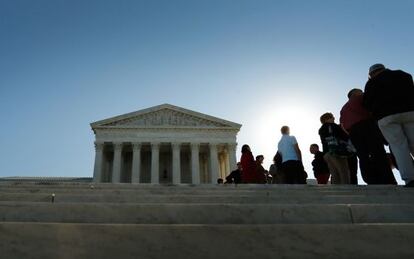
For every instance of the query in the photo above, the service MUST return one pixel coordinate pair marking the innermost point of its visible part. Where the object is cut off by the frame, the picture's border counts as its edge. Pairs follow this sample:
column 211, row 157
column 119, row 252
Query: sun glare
column 303, row 122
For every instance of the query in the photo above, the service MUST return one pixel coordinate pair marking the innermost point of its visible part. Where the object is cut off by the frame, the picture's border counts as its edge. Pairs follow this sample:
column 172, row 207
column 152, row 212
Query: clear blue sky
column 64, row 64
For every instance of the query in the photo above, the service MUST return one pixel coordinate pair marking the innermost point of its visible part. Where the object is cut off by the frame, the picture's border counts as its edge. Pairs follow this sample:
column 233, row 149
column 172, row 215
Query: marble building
column 164, row 144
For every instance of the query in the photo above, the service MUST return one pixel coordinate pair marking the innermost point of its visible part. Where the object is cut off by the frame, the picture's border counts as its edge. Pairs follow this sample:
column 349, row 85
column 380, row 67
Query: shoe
column 410, row 184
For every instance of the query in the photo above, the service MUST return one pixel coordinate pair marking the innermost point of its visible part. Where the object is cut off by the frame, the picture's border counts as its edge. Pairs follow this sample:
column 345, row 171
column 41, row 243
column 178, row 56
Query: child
column 320, row 168
column 335, row 146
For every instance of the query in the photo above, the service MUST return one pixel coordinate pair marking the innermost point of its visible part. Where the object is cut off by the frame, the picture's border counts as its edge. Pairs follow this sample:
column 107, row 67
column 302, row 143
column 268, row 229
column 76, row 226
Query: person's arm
column 341, row 133
column 323, row 141
column 410, row 80
column 342, row 117
column 297, row 150
column 280, row 155
column 343, row 128
column 367, row 97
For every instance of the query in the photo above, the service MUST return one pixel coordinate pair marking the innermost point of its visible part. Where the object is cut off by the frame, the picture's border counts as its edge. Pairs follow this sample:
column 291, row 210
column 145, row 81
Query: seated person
column 236, row 175
column 275, row 170
column 261, row 173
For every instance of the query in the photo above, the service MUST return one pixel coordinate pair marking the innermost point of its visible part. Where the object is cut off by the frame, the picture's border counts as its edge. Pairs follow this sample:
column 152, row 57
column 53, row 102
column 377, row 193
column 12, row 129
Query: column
column 97, row 170
column 176, row 163
column 195, row 163
column 222, row 173
column 136, row 162
column 232, row 155
column 116, row 169
column 155, row 163
column 226, row 162
column 214, row 163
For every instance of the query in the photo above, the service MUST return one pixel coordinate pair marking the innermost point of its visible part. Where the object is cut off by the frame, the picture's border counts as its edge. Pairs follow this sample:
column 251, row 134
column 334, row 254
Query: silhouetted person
column 292, row 167
column 261, row 173
column 389, row 95
column 236, row 175
column 248, row 164
column 275, row 169
column 367, row 140
column 319, row 165
column 335, row 147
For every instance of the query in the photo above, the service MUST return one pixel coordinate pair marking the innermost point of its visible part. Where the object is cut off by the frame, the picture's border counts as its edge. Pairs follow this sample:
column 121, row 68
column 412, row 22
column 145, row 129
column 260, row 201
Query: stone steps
column 185, row 189
column 181, row 187
column 175, row 213
column 207, row 221
column 108, row 241
column 236, row 198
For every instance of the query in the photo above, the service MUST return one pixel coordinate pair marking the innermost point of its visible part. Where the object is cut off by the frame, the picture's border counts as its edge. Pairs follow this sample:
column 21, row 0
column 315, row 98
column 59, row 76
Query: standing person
column 275, row 169
column 292, row 167
column 389, row 95
column 248, row 164
column 367, row 139
column 236, row 175
column 261, row 173
column 319, row 165
column 335, row 146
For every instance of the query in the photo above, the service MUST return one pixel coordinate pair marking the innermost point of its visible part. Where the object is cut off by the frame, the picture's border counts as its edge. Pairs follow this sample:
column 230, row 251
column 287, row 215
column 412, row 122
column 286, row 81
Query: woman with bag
column 336, row 148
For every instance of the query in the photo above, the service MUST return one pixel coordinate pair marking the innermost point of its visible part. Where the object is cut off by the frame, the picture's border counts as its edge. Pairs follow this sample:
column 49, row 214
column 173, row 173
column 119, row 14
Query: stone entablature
column 166, row 118
column 164, row 143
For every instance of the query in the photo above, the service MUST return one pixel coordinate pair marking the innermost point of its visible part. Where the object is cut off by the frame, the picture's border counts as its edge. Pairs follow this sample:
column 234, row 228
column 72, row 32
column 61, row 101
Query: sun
column 304, row 125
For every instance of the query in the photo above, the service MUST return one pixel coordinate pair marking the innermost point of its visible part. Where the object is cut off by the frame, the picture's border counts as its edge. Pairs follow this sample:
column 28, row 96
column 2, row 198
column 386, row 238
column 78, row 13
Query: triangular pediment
column 165, row 116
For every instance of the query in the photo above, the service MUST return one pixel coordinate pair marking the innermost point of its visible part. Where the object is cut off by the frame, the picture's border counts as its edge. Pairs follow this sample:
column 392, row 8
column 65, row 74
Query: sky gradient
column 264, row 64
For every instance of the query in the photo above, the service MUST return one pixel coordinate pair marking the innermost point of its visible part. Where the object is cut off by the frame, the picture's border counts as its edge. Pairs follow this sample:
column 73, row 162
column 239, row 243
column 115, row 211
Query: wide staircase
column 85, row 220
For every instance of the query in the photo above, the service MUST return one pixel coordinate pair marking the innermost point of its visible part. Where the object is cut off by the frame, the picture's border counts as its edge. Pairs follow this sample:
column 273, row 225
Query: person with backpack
column 335, row 147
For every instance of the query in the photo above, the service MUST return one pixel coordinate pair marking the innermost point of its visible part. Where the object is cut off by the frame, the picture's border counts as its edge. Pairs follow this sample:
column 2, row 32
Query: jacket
column 390, row 92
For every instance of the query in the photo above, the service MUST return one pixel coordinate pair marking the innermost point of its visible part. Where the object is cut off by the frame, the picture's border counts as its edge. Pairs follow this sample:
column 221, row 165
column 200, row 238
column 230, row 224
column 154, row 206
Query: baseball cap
column 376, row 67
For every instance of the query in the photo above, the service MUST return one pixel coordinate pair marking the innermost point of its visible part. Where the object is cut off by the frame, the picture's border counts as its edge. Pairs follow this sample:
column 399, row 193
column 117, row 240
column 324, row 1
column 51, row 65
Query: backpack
column 337, row 146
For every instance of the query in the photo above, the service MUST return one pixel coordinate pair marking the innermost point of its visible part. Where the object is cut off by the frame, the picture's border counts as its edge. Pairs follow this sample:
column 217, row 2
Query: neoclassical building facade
column 164, row 144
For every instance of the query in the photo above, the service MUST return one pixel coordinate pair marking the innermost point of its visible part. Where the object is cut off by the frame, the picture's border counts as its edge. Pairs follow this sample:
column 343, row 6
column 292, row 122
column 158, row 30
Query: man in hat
column 389, row 95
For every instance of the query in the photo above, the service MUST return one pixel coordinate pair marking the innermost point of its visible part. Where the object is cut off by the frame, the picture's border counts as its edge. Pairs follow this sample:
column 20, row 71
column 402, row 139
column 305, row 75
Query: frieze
column 166, row 117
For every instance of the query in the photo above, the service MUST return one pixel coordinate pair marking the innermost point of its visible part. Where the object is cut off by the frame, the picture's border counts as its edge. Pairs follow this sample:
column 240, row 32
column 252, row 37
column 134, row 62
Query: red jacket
column 249, row 168
column 353, row 112
column 251, row 172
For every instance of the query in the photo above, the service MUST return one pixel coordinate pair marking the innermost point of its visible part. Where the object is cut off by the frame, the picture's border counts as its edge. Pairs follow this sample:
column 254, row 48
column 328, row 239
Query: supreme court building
column 164, row 144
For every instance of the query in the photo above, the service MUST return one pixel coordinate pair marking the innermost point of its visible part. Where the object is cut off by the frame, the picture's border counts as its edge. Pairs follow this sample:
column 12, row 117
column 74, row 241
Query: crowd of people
column 382, row 114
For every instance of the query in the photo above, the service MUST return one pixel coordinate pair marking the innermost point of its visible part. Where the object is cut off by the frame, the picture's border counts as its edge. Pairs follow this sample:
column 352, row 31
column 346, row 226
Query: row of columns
column 155, row 151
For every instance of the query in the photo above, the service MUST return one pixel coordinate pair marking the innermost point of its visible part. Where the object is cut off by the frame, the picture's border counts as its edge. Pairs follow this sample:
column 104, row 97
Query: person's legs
column 287, row 172
column 393, row 131
column 408, row 126
column 353, row 169
column 330, row 161
column 299, row 172
column 358, row 139
column 343, row 170
column 379, row 157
